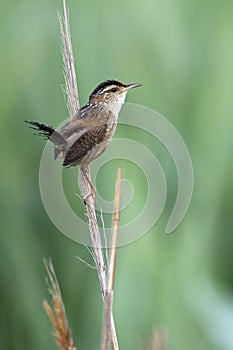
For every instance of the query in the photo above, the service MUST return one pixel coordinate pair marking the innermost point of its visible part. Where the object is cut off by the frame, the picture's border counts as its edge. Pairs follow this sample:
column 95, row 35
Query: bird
column 87, row 133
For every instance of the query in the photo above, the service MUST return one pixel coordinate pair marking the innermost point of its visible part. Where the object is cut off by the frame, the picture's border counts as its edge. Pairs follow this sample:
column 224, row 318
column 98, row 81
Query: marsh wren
column 86, row 135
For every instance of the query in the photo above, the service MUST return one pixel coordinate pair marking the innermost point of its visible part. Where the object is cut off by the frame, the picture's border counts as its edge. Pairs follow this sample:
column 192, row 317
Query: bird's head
column 111, row 94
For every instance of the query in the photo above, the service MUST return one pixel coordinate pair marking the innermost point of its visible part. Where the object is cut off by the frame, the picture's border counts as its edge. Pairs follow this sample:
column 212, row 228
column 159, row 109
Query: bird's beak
column 132, row 86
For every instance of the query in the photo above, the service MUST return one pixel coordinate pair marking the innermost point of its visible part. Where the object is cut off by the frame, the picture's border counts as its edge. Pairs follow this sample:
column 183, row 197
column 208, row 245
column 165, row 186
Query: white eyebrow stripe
column 107, row 88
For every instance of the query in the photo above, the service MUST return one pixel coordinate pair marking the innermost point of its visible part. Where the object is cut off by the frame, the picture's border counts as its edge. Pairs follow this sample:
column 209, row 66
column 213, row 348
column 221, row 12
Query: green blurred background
column 182, row 53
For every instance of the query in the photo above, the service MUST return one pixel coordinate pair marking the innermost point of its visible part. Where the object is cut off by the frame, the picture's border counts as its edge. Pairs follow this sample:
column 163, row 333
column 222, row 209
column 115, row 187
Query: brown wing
column 88, row 118
column 84, row 144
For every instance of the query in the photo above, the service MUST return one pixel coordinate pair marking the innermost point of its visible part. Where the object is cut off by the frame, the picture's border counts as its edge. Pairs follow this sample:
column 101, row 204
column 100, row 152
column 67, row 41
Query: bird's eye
column 114, row 89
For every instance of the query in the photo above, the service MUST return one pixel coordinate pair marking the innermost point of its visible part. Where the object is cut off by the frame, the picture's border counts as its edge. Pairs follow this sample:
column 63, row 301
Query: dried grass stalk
column 71, row 86
column 97, row 251
column 108, row 300
column 72, row 98
column 56, row 311
column 158, row 340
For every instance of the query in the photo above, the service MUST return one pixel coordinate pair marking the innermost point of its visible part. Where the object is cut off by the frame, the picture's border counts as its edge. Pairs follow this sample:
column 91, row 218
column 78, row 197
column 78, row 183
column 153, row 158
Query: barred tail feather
column 48, row 132
column 42, row 129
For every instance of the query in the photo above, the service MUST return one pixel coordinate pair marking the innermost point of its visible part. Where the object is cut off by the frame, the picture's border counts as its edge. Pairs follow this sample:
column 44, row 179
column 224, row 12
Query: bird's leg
column 93, row 190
